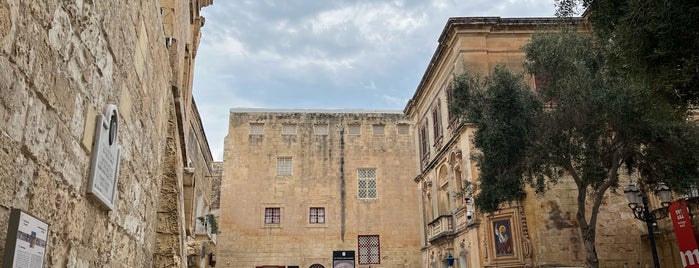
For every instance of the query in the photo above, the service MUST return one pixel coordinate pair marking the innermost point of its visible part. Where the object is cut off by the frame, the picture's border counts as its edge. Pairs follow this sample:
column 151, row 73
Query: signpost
column 104, row 166
column 26, row 242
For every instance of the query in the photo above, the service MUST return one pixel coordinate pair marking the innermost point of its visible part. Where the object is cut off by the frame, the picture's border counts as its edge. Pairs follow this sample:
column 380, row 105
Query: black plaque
column 343, row 259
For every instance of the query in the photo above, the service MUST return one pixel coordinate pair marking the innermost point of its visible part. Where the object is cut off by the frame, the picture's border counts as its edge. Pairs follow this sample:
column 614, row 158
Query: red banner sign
column 685, row 235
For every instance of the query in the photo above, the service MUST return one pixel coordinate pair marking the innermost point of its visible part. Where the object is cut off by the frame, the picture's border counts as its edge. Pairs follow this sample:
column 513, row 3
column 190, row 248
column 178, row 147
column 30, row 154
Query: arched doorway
column 462, row 260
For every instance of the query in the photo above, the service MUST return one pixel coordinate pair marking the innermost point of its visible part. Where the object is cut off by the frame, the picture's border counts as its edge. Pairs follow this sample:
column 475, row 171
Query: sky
column 323, row 54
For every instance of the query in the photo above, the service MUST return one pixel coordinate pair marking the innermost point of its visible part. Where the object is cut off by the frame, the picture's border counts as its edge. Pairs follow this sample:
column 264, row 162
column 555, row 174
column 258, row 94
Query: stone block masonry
column 61, row 64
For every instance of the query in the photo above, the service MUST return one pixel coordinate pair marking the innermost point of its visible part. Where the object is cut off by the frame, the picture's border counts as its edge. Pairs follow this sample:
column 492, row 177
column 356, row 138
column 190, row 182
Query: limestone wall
column 324, row 174
column 62, row 63
column 543, row 227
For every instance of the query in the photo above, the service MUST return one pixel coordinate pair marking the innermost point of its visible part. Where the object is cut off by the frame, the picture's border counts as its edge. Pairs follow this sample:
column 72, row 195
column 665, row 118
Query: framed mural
column 502, row 232
column 504, row 239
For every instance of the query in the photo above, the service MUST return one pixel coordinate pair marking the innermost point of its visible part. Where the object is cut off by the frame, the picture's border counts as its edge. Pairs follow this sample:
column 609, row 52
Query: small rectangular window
column 272, row 215
column 289, row 129
column 257, row 128
column 320, row 129
column 317, row 216
column 284, row 166
column 403, row 129
column 369, row 249
column 355, row 129
column 366, row 183
column 378, row 129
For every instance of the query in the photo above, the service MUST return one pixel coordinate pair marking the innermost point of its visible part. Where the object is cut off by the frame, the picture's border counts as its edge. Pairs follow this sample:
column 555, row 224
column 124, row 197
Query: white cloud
column 323, row 54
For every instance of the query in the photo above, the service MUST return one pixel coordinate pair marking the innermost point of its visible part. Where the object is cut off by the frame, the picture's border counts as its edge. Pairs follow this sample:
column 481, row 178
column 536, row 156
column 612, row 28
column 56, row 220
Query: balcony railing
column 440, row 227
column 204, row 229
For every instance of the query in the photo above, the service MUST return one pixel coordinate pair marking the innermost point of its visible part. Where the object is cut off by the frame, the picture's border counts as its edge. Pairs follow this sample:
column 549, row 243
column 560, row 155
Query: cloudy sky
column 323, row 54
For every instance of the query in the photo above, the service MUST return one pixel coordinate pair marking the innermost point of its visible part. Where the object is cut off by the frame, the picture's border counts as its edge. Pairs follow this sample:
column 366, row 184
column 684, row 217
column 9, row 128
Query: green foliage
column 604, row 120
column 505, row 113
column 587, row 120
column 212, row 221
column 656, row 42
column 595, row 114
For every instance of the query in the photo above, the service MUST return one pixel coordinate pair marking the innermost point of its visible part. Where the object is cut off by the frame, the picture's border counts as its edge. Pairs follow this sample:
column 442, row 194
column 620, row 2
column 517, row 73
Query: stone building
column 538, row 231
column 63, row 63
column 298, row 185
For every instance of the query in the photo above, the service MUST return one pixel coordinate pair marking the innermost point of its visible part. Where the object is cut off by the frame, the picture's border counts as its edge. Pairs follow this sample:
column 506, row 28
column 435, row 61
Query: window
column 317, row 266
column 256, row 128
column 317, row 215
column 378, row 129
column 320, row 129
column 403, row 129
column 355, row 129
column 424, row 149
column 437, row 125
column 369, row 252
column 284, row 166
column 366, row 183
column 289, row 129
column 272, row 215
column 450, row 98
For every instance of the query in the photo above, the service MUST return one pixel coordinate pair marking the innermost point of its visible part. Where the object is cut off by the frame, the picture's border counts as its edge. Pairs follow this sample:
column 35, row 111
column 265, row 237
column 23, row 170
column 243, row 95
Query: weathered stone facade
column 541, row 229
column 355, row 168
column 61, row 64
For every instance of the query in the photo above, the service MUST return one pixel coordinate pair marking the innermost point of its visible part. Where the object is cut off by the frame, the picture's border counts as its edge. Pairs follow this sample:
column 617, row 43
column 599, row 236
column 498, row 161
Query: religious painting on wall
column 502, row 231
column 506, row 246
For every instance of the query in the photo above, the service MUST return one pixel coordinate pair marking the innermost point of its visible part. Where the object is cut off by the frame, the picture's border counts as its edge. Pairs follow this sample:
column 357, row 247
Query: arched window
column 317, row 266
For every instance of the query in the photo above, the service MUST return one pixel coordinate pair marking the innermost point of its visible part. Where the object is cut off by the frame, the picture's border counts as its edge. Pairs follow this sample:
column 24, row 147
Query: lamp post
column 641, row 211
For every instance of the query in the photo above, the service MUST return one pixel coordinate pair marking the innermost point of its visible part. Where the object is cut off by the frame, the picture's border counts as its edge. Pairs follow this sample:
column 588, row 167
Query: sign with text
column 26, row 242
column 343, row 259
column 104, row 166
column 685, row 235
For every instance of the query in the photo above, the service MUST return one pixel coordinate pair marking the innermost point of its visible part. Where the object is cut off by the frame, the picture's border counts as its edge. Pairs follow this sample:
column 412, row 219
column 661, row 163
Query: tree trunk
column 591, row 260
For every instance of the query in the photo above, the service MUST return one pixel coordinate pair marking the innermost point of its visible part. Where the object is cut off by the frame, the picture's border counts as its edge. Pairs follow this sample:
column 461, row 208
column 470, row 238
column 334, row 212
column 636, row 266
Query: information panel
column 26, row 242
column 343, row 259
column 104, row 167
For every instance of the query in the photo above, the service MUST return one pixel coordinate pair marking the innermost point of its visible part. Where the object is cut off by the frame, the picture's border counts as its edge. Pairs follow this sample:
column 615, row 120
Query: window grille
column 379, row 129
column 256, row 128
column 317, row 215
column 272, row 215
column 320, row 129
column 369, row 250
column 289, row 129
column 355, row 129
column 366, row 183
column 283, row 166
column 317, row 266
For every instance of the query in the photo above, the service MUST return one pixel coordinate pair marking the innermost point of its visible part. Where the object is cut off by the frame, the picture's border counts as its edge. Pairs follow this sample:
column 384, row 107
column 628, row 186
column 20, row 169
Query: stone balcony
column 462, row 220
column 439, row 228
column 203, row 230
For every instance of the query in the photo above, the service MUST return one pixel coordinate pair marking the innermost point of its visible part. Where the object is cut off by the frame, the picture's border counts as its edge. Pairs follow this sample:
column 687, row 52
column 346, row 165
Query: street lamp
column 450, row 259
column 638, row 202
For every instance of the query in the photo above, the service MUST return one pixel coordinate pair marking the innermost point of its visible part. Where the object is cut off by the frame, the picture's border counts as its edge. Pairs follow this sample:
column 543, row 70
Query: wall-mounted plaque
column 104, row 166
column 26, row 242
